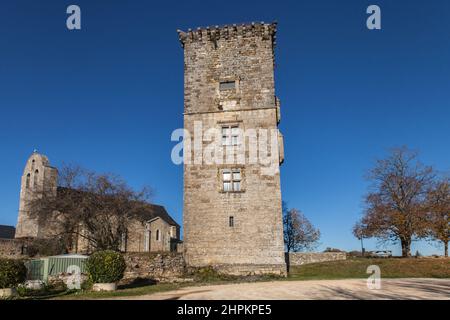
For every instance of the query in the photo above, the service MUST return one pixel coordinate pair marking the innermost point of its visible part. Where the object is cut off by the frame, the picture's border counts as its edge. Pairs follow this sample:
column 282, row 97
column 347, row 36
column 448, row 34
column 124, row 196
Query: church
column 154, row 231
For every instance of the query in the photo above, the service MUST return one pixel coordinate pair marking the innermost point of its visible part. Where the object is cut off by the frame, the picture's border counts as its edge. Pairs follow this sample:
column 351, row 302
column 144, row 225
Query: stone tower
column 232, row 211
column 38, row 177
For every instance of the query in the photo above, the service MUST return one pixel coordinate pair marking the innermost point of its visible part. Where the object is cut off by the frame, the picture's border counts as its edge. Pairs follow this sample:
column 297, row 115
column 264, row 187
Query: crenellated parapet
column 267, row 31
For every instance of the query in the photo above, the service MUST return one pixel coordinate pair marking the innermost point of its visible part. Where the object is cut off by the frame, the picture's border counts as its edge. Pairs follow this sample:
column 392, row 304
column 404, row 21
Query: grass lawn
column 347, row 269
column 390, row 268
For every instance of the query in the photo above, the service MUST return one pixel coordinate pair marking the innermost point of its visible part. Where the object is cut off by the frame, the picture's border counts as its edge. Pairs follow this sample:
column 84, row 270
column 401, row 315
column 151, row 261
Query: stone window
column 227, row 85
column 35, row 178
column 230, row 135
column 27, row 184
column 231, row 221
column 157, row 235
column 231, row 180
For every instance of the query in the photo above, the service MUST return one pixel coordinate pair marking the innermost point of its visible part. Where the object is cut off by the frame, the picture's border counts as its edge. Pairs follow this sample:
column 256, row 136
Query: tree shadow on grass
column 397, row 290
column 138, row 283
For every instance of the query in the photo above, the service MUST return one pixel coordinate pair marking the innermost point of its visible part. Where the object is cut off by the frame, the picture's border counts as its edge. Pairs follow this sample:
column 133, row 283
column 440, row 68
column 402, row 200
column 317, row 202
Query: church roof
column 7, row 232
column 158, row 211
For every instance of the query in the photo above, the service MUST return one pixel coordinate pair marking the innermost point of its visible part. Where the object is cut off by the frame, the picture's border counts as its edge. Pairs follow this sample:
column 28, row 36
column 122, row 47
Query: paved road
column 321, row 289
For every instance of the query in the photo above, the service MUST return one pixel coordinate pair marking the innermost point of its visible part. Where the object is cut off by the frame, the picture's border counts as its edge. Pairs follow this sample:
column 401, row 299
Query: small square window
column 227, row 85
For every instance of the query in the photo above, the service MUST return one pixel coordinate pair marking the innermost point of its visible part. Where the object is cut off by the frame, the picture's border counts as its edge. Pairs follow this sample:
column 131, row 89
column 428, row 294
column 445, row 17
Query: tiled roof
column 7, row 232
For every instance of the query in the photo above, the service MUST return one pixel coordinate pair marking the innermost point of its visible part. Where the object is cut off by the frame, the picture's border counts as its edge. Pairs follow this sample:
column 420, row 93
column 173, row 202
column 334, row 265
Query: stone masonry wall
column 301, row 258
column 157, row 266
column 243, row 55
column 257, row 235
column 11, row 248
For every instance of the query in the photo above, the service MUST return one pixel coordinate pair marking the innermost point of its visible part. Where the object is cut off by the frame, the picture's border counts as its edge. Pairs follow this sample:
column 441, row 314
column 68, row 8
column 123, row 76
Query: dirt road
column 320, row 289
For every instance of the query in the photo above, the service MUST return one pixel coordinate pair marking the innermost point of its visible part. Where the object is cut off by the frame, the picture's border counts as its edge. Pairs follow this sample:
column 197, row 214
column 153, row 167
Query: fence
column 40, row 269
column 35, row 269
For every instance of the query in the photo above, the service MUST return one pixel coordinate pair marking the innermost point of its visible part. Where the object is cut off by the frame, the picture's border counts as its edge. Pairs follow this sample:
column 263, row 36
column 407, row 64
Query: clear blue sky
column 108, row 97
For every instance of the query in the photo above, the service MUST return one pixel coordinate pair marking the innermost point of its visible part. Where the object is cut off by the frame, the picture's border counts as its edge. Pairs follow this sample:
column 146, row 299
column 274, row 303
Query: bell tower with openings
column 38, row 177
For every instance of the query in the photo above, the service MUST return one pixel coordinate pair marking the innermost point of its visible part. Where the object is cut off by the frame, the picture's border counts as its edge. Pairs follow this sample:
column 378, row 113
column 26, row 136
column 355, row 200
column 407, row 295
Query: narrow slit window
column 35, row 178
column 231, row 221
column 227, row 85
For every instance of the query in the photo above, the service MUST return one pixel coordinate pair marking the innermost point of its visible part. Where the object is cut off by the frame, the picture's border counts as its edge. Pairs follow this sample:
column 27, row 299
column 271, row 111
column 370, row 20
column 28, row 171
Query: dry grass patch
column 390, row 268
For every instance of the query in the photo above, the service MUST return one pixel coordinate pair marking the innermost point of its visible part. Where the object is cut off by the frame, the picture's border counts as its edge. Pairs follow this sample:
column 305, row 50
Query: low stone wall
column 245, row 269
column 180, row 247
column 11, row 248
column 301, row 258
column 157, row 266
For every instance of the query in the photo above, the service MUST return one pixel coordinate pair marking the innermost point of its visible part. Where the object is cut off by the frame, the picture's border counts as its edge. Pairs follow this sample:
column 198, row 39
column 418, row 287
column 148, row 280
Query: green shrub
column 12, row 273
column 106, row 267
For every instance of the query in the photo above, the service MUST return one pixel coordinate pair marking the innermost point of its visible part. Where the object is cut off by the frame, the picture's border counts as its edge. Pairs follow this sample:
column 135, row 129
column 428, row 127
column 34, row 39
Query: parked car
column 382, row 253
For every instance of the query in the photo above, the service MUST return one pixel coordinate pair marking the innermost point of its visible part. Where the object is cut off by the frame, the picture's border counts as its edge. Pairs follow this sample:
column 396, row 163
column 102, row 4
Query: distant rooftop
column 7, row 232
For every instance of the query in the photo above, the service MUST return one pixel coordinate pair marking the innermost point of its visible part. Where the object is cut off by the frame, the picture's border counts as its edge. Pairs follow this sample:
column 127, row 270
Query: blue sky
column 107, row 97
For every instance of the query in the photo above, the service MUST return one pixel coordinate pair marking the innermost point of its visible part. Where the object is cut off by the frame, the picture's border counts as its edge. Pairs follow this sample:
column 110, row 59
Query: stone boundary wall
column 246, row 269
column 11, row 248
column 158, row 266
column 301, row 258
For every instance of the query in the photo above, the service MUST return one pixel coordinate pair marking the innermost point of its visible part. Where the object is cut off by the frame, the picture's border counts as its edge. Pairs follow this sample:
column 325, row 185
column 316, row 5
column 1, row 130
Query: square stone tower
column 232, row 210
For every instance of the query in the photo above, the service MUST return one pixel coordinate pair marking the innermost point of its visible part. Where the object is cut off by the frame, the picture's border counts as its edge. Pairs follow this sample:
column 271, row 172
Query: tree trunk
column 446, row 249
column 406, row 248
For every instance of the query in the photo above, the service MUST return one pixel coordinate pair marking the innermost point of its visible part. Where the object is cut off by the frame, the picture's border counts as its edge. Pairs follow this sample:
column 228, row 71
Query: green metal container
column 40, row 269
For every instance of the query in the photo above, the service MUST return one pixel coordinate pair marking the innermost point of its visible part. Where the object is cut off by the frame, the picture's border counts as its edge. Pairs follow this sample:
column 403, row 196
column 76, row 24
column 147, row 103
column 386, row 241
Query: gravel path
column 320, row 289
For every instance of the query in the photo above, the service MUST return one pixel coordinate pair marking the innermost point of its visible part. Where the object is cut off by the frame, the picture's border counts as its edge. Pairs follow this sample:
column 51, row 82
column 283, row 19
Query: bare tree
column 438, row 201
column 96, row 207
column 299, row 233
column 396, row 207
column 359, row 231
